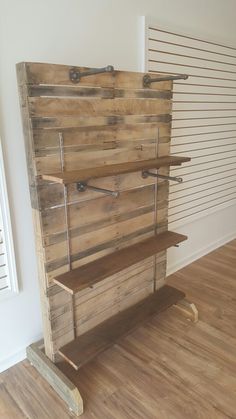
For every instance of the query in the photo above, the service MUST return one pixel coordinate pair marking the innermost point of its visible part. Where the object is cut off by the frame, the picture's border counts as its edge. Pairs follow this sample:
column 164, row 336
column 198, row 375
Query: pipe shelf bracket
column 75, row 74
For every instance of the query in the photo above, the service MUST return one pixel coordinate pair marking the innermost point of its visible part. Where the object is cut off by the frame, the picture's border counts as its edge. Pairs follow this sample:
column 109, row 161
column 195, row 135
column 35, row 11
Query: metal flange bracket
column 146, row 173
column 75, row 74
column 147, row 80
column 83, row 186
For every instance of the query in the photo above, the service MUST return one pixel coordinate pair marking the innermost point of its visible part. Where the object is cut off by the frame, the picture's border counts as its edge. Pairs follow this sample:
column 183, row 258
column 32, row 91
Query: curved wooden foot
column 59, row 382
column 188, row 309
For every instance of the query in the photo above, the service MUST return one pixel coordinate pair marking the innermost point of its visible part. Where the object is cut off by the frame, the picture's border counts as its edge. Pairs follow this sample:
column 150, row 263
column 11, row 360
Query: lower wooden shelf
column 85, row 347
column 93, row 272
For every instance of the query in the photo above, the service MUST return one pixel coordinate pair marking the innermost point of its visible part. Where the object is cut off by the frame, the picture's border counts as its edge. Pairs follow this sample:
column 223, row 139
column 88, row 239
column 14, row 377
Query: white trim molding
column 17, row 356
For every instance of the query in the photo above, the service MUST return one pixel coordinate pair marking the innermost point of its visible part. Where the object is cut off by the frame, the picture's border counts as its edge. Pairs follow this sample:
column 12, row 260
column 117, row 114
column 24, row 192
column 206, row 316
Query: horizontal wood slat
column 87, row 346
column 55, row 74
column 48, row 107
column 74, row 122
column 91, row 273
column 96, row 92
column 114, row 169
column 99, row 135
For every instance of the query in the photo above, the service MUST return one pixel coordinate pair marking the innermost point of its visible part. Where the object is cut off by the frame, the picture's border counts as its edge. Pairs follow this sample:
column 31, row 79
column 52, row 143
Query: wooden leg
column 188, row 309
column 60, row 383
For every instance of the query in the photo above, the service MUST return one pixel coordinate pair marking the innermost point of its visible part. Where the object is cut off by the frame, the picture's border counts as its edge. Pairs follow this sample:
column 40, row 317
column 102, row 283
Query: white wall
column 90, row 33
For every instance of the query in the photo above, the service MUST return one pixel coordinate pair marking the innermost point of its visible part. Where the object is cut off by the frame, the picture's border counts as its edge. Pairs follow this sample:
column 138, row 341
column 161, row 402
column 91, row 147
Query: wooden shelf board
column 113, row 169
column 93, row 272
column 85, row 347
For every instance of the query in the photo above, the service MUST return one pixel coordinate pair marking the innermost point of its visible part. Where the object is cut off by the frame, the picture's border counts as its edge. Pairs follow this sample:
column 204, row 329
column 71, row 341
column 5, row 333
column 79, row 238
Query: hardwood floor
column 169, row 368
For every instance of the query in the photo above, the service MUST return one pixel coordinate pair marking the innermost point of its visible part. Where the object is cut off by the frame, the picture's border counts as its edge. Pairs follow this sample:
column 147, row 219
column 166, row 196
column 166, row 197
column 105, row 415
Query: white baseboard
column 15, row 357
column 201, row 252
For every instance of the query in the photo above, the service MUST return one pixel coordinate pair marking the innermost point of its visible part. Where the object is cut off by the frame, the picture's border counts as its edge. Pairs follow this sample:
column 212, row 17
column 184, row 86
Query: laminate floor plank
column 9, row 409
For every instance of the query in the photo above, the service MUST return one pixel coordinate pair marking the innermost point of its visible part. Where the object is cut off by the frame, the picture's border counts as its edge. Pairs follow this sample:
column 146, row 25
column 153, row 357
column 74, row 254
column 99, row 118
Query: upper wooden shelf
column 91, row 273
column 114, row 169
column 87, row 346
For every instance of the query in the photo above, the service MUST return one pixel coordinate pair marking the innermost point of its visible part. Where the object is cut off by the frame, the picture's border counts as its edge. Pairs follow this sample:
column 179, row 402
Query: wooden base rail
column 57, row 380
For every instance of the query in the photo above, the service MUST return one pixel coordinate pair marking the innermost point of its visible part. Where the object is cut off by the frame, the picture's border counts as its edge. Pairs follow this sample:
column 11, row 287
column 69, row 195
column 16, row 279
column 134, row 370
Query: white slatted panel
column 4, row 274
column 8, row 276
column 204, row 119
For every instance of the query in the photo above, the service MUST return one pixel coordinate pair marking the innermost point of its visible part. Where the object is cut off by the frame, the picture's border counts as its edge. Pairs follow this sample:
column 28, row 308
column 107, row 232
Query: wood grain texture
column 93, row 272
column 65, row 123
column 56, row 74
column 101, row 135
column 29, row 149
column 105, row 93
column 168, row 368
column 115, row 169
column 47, row 107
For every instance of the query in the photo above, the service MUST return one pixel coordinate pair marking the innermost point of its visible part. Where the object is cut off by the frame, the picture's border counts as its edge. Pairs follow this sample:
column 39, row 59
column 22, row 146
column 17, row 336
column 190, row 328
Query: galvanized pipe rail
column 147, row 80
column 146, row 173
column 75, row 74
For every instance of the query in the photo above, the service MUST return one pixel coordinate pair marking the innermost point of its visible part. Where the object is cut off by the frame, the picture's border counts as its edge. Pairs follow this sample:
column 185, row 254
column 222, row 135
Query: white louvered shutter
column 4, row 275
column 8, row 276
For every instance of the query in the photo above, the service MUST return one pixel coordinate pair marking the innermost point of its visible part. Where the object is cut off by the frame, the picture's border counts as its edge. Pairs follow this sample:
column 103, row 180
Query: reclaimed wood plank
column 58, row 381
column 91, row 273
column 73, row 122
column 116, row 169
column 29, row 145
column 57, row 74
column 105, row 93
column 100, row 134
column 47, row 107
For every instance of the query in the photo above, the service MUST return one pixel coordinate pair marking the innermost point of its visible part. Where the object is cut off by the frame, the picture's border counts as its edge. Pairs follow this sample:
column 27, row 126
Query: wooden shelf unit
column 74, row 176
column 107, row 118
column 88, row 275
column 87, row 346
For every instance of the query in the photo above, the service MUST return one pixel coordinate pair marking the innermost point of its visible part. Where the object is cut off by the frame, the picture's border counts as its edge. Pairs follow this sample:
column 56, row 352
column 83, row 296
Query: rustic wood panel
column 105, row 119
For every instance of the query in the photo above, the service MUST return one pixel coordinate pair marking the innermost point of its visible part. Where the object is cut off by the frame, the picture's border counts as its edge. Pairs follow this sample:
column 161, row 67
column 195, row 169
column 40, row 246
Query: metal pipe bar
column 82, row 187
column 76, row 75
column 155, row 215
column 147, row 80
column 146, row 173
column 65, row 190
